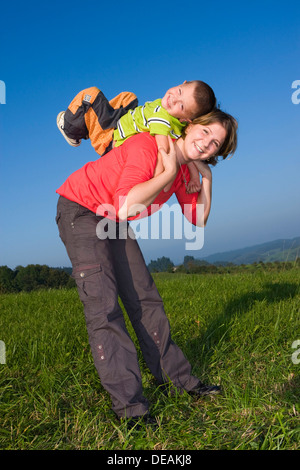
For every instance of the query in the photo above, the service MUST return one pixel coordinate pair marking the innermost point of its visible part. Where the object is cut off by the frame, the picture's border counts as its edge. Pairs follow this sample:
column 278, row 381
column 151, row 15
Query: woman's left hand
column 169, row 158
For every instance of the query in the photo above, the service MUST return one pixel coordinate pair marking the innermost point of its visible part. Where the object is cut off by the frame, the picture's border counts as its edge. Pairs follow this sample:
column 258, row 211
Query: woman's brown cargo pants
column 103, row 269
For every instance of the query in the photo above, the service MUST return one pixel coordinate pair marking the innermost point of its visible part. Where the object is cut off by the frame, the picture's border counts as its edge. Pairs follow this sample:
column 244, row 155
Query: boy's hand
column 194, row 186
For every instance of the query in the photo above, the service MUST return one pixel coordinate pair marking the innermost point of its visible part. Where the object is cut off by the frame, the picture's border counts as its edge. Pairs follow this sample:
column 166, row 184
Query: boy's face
column 179, row 101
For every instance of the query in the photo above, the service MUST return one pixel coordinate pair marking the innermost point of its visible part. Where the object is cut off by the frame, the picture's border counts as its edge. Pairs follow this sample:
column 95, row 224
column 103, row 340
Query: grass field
column 236, row 330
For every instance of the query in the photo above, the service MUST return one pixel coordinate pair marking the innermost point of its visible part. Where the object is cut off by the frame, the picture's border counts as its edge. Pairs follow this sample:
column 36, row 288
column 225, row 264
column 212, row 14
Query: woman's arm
column 205, row 195
column 143, row 194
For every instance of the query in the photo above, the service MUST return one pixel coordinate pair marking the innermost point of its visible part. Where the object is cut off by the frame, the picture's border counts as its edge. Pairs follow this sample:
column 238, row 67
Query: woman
column 118, row 187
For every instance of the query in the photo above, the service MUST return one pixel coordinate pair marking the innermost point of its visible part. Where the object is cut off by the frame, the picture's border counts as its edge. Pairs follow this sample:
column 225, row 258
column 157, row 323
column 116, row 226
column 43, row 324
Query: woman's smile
column 203, row 142
column 198, row 148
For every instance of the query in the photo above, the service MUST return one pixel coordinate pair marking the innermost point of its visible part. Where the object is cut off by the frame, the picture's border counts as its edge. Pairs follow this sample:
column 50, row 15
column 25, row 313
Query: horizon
column 185, row 254
column 249, row 54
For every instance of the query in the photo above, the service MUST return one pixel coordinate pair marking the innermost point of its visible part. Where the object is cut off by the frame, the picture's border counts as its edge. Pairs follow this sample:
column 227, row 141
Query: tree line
column 36, row 276
column 33, row 277
column 191, row 265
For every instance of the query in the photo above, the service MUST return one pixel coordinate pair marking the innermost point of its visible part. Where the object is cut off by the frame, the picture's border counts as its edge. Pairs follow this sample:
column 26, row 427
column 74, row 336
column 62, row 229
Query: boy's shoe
column 60, row 121
column 203, row 390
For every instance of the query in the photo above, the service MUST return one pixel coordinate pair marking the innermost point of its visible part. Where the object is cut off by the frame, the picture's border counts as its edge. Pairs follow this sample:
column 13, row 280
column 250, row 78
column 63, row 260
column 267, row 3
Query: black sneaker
column 60, row 121
column 203, row 390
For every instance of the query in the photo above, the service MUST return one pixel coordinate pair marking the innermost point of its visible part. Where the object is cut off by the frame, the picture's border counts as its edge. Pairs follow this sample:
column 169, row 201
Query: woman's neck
column 179, row 146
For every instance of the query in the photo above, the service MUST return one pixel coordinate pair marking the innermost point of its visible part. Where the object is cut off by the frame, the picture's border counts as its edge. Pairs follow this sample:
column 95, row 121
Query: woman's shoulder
column 140, row 151
column 143, row 139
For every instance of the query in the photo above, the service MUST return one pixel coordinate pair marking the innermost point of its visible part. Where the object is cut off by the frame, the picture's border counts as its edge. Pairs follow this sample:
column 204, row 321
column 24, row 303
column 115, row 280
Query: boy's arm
column 194, row 185
column 196, row 207
column 162, row 142
column 205, row 194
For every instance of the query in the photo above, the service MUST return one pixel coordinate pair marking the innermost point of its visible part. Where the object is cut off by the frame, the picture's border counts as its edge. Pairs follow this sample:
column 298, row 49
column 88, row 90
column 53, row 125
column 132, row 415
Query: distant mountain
column 277, row 250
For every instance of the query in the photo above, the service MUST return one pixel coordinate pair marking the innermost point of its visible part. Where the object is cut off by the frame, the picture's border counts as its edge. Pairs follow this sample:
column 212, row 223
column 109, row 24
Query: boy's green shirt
column 152, row 118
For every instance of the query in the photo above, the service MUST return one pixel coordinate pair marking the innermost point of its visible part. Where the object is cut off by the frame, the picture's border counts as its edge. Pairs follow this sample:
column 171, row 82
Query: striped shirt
column 152, row 118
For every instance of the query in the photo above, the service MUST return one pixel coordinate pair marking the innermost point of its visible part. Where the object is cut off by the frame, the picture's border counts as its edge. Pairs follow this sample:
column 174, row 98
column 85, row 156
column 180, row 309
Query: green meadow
column 238, row 330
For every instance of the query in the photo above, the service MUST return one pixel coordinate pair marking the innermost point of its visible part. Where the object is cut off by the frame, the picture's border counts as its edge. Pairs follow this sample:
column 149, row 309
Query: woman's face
column 202, row 142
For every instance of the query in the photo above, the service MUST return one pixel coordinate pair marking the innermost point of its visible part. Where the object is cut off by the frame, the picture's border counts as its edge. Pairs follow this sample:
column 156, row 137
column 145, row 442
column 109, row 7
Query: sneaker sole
column 70, row 142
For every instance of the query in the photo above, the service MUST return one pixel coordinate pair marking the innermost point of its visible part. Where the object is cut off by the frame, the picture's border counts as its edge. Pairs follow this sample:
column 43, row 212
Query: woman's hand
column 169, row 160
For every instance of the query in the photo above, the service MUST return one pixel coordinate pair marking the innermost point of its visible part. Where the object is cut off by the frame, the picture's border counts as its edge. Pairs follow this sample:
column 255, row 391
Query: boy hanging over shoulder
column 90, row 115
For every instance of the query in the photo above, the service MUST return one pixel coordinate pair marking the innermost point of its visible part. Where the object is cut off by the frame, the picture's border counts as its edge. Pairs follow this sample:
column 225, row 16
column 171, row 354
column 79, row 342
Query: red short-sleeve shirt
column 102, row 185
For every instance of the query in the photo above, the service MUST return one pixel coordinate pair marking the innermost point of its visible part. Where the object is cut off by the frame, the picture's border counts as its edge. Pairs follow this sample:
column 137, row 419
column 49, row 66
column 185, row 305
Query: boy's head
column 189, row 100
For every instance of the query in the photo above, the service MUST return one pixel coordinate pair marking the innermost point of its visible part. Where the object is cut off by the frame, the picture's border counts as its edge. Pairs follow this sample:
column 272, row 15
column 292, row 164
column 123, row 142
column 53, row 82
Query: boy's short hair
column 204, row 97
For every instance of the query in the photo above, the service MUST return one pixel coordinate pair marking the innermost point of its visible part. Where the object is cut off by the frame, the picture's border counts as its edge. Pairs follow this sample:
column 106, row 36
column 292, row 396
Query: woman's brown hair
column 230, row 125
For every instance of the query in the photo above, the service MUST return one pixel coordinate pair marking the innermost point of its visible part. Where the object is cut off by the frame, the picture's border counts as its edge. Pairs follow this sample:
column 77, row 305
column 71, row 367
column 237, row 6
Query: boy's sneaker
column 60, row 121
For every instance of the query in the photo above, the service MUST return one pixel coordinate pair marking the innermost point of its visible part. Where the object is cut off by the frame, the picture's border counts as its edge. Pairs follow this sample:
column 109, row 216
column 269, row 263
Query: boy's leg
column 145, row 309
column 91, row 115
column 113, row 351
column 75, row 126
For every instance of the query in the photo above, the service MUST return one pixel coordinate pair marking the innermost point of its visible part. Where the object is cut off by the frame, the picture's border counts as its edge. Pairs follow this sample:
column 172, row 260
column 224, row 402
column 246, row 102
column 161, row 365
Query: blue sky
column 249, row 53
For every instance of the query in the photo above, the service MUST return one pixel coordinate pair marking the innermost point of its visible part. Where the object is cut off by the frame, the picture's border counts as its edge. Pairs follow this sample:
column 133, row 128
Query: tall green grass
column 236, row 330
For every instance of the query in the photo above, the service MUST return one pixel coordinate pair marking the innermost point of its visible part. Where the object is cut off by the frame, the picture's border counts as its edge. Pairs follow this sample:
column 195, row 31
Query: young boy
column 90, row 115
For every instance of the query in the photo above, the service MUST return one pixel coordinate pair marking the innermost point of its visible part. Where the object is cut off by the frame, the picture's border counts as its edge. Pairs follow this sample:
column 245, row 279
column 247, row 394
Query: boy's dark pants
column 91, row 116
column 104, row 268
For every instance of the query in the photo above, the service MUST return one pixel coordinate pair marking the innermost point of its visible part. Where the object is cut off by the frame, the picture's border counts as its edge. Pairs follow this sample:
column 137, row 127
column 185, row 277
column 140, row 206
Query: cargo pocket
column 58, row 216
column 89, row 282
